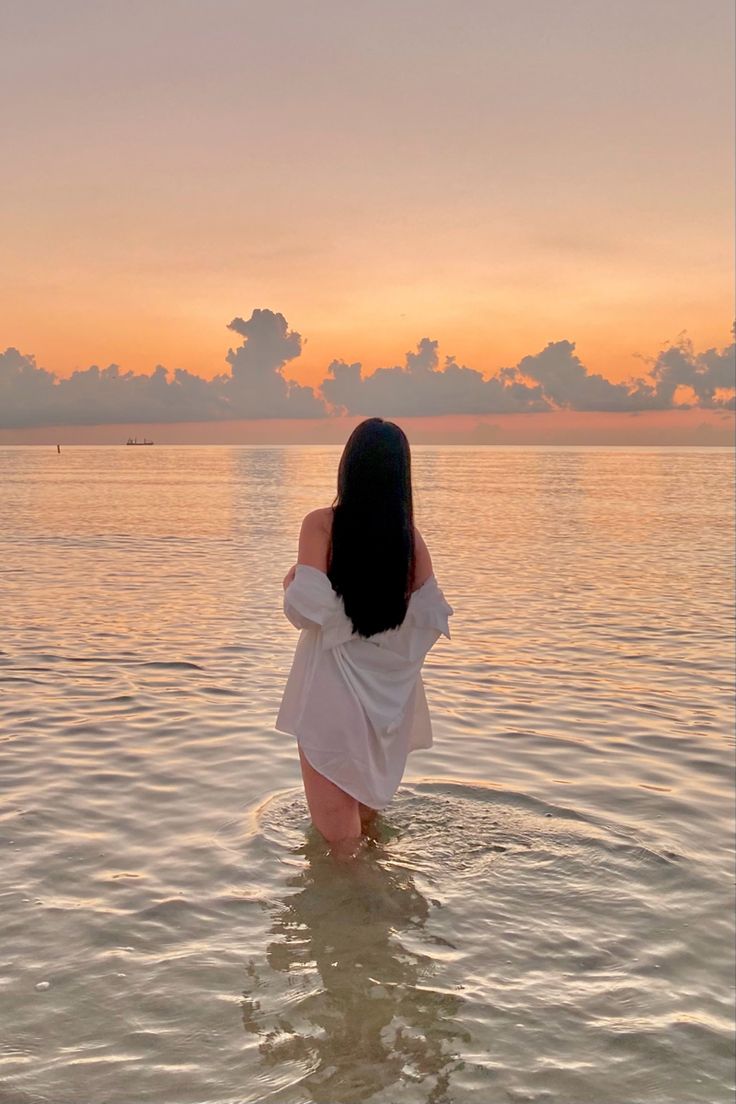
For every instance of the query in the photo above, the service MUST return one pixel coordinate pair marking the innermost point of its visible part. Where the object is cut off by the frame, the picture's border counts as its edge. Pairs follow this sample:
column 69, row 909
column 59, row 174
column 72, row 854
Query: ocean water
column 546, row 914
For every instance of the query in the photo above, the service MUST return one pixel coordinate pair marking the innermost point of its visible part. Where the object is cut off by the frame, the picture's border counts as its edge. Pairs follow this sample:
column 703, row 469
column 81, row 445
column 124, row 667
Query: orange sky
column 495, row 178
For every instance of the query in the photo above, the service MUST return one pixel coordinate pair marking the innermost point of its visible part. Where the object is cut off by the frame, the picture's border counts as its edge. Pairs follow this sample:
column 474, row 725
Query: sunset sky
column 494, row 177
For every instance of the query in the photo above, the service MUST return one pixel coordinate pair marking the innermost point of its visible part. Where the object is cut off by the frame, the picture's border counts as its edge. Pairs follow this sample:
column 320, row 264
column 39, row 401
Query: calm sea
column 547, row 915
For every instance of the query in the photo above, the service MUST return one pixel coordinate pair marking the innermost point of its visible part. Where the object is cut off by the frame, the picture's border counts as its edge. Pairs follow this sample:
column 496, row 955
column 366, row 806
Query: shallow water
column 546, row 914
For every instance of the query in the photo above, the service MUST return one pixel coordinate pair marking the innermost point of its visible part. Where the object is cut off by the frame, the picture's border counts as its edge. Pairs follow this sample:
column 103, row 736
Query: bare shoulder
column 314, row 538
column 319, row 519
column 422, row 560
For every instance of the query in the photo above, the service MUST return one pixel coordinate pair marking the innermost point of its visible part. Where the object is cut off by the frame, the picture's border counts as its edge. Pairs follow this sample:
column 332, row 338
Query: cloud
column 254, row 385
column 704, row 372
column 257, row 387
column 420, row 388
column 566, row 382
column 31, row 396
column 568, row 385
column 552, row 379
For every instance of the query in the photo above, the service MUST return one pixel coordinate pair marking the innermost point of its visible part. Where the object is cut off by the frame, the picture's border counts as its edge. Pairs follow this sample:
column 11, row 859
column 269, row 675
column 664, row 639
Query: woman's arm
column 314, row 543
column 307, row 603
column 422, row 561
column 314, row 539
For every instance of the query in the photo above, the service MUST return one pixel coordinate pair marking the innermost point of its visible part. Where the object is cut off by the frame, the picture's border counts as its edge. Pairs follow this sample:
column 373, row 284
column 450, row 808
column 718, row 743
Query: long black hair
column 371, row 560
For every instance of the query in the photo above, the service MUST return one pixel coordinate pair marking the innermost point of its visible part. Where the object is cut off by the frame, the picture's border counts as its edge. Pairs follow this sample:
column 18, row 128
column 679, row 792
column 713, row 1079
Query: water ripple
column 543, row 913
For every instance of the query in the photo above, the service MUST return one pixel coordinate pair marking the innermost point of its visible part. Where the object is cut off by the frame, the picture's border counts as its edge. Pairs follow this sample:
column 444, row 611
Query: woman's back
column 315, row 542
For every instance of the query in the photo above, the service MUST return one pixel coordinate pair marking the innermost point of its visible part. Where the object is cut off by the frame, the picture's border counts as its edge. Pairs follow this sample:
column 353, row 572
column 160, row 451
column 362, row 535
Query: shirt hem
column 372, row 803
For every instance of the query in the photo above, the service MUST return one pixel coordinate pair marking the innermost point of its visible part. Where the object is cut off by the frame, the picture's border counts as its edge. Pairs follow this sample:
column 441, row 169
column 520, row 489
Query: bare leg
column 334, row 813
column 367, row 817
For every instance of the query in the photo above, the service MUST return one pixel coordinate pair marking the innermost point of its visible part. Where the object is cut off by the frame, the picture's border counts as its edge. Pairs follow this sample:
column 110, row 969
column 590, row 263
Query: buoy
column 58, row 448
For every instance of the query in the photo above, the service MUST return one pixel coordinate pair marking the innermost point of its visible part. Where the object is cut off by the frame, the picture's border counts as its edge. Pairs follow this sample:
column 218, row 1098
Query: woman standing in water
column 364, row 594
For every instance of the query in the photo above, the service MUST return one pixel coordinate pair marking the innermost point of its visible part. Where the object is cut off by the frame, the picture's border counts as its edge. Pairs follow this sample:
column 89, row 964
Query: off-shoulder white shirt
column 357, row 705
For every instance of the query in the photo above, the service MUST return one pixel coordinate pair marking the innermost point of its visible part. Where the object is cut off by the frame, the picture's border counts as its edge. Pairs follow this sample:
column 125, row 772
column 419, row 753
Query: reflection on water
column 545, row 913
column 359, row 1011
column 400, row 974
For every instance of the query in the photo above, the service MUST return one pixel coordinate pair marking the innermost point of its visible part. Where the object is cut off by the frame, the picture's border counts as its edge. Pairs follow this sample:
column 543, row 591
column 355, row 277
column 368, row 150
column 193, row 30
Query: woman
column 364, row 594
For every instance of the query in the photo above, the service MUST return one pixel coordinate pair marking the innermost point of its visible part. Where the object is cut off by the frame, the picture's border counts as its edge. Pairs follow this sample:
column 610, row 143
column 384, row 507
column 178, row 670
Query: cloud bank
column 254, row 385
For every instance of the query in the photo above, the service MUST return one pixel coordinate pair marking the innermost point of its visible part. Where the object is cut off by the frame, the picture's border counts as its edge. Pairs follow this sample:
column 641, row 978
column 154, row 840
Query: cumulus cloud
column 254, row 385
column 257, row 387
column 705, row 373
column 421, row 388
column 552, row 379
column 567, row 384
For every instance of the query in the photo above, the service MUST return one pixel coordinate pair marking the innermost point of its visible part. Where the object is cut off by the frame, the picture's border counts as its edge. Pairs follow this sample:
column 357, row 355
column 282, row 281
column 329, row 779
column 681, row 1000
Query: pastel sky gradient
column 492, row 176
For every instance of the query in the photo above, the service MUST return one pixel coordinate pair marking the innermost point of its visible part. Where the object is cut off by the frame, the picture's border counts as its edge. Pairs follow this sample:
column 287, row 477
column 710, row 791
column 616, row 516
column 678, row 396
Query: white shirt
column 357, row 705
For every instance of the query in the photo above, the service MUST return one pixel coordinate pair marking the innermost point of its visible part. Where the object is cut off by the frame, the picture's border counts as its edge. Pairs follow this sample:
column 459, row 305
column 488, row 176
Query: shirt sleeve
column 298, row 620
column 309, row 600
column 431, row 610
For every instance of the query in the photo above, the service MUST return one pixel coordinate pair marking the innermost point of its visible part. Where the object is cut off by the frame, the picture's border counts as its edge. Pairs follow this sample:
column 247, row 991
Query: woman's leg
column 335, row 814
column 367, row 816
